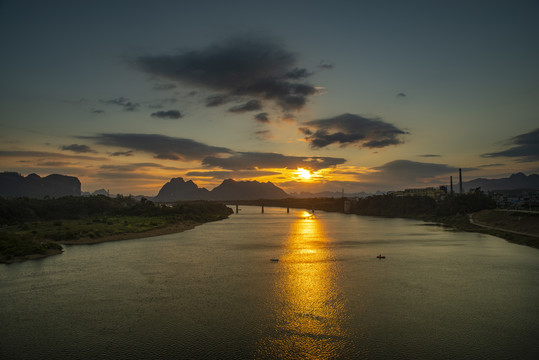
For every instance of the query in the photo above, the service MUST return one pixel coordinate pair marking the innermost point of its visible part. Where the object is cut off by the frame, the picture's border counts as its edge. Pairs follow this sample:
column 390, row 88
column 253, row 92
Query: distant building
column 435, row 193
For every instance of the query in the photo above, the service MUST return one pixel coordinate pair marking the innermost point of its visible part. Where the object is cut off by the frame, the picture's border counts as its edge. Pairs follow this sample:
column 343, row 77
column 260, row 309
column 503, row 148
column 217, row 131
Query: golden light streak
column 311, row 309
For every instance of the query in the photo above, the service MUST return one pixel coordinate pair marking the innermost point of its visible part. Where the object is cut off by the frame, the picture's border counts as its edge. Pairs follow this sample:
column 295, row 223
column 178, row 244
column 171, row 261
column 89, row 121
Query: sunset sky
column 310, row 95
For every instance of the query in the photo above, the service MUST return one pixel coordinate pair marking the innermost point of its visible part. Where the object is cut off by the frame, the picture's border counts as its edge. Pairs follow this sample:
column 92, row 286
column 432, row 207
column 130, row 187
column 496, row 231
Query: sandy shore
column 164, row 230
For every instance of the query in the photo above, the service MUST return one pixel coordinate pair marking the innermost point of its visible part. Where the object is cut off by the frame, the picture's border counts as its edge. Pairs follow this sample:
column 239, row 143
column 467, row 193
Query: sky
column 310, row 95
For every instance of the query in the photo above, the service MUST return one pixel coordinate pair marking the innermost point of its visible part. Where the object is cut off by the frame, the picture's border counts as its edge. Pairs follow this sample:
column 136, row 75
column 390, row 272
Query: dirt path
column 474, row 222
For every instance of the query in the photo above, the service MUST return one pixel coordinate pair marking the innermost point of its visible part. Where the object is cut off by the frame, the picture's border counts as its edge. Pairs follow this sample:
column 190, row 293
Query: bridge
column 311, row 204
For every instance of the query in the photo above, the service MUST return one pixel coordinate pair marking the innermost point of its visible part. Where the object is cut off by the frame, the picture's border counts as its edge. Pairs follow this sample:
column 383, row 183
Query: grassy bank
column 515, row 226
column 34, row 228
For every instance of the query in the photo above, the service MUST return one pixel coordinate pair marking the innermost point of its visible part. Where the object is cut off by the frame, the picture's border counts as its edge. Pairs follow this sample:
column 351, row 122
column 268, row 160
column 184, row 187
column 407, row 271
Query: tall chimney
column 460, row 180
column 451, row 182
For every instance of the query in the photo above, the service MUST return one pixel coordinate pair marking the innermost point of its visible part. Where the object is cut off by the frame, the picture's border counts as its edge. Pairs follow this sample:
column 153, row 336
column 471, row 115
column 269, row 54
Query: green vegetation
column 32, row 226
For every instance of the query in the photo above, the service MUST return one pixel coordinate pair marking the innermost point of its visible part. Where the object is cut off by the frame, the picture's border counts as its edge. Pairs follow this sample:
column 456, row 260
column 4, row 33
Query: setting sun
column 304, row 173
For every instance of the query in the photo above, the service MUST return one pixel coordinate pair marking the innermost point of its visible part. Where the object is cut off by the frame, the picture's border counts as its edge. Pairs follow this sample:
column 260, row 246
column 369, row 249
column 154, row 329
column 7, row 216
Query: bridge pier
column 262, row 209
column 288, row 210
column 237, row 208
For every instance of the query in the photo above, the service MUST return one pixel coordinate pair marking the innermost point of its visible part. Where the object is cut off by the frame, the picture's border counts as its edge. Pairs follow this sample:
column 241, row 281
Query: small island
column 35, row 228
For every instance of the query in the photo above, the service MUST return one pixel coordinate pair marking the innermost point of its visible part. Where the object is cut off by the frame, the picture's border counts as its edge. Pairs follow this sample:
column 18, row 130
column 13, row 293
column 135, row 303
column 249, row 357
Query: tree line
column 20, row 210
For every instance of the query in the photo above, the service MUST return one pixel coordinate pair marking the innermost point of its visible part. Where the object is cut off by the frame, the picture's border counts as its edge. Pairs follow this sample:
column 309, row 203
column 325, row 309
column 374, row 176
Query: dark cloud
column 401, row 94
column 251, row 105
column 164, row 87
column 128, row 175
column 408, row 171
column 263, row 134
column 123, row 153
column 430, row 155
column 246, row 67
column 123, row 102
column 98, row 111
column 170, row 114
column 259, row 160
column 490, row 165
column 54, row 163
column 135, row 167
column 351, row 129
column 298, row 74
column 78, row 148
column 231, row 174
column 262, row 117
column 161, row 146
column 526, row 149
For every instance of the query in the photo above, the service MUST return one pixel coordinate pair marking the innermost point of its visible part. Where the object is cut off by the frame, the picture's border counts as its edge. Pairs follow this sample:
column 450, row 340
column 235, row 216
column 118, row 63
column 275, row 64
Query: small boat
column 380, row 256
column 274, row 259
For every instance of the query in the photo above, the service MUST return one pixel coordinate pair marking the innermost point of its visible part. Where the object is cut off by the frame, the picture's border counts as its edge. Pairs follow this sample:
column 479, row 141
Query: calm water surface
column 213, row 293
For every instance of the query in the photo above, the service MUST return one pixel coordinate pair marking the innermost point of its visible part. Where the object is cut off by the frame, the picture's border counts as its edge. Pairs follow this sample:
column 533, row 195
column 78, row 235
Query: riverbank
column 162, row 230
column 22, row 258
column 32, row 229
column 519, row 227
column 513, row 226
column 157, row 231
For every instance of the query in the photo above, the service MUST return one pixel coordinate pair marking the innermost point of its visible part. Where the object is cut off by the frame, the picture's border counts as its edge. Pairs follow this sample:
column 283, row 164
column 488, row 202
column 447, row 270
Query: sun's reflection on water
column 309, row 314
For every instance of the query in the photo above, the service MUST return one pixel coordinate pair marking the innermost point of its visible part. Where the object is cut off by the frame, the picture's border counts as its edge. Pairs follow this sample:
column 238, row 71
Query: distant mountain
column 101, row 192
column 247, row 190
column 515, row 181
column 34, row 186
column 177, row 189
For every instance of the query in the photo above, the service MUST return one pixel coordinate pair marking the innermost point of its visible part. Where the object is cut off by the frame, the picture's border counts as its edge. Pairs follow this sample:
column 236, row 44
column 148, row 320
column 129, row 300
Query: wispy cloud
column 232, row 174
column 251, row 105
column 351, row 129
column 490, row 165
column 526, row 147
column 125, row 103
column 46, row 154
column 430, row 155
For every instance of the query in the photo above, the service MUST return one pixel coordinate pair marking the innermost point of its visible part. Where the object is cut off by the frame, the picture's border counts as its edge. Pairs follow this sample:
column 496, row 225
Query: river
column 213, row 293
